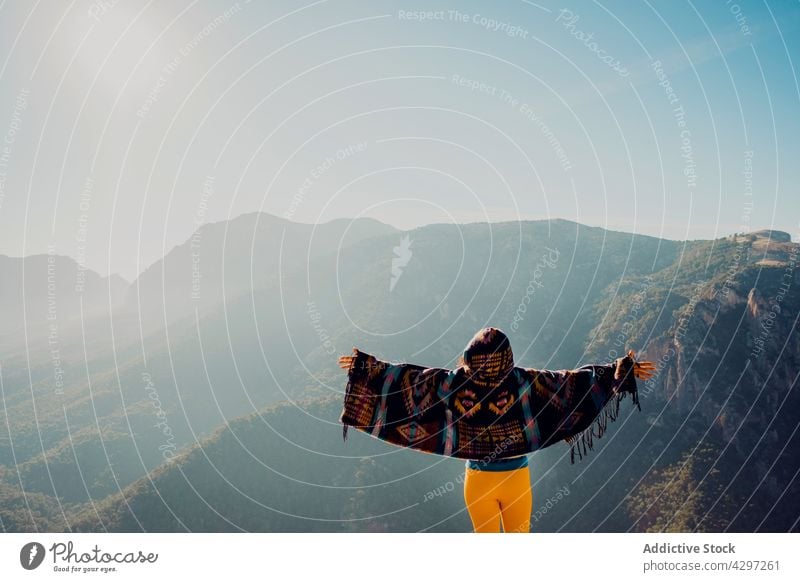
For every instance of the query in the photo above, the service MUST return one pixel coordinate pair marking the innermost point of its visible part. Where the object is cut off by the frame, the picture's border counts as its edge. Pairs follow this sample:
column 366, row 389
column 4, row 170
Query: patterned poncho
column 487, row 412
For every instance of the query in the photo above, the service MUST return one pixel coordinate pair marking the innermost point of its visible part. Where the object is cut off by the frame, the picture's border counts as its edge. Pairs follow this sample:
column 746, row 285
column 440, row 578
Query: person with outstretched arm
column 489, row 412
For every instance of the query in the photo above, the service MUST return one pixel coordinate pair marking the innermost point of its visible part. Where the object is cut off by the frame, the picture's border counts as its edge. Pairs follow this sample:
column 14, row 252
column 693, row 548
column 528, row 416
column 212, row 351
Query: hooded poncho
column 488, row 408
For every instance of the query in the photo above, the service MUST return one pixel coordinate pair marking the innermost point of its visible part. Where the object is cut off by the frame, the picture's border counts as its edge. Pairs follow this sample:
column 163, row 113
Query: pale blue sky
column 258, row 98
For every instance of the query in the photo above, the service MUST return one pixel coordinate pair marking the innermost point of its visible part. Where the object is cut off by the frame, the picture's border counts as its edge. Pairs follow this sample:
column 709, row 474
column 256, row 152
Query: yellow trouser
column 492, row 496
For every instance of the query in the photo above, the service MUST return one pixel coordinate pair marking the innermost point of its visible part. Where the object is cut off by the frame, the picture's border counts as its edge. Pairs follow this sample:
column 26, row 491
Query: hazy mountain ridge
column 105, row 411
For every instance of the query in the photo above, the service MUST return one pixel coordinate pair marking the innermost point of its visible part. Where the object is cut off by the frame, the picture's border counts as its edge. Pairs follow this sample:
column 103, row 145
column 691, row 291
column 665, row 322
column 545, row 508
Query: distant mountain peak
column 774, row 235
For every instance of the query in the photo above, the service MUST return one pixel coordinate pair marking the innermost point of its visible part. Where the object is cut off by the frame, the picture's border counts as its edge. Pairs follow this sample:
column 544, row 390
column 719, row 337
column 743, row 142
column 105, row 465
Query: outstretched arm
column 345, row 362
column 643, row 370
column 575, row 405
column 391, row 401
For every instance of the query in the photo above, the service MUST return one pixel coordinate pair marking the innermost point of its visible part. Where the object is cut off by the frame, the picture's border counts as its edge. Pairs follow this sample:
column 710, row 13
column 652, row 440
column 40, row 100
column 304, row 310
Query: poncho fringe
column 586, row 438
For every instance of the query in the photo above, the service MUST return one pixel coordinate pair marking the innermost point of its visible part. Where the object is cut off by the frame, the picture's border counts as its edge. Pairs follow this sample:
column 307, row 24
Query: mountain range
column 205, row 395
